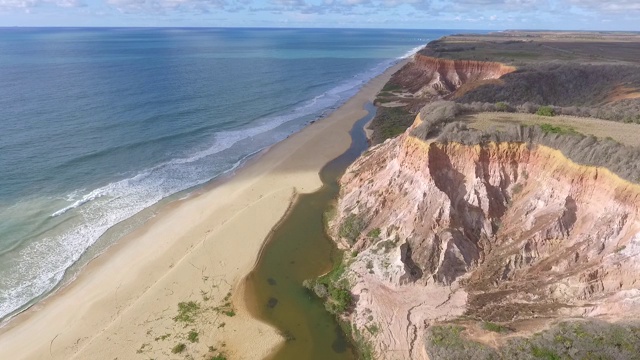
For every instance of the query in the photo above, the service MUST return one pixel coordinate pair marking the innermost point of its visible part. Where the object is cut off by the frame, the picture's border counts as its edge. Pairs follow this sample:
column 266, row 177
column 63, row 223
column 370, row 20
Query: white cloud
column 615, row 6
column 27, row 5
column 164, row 6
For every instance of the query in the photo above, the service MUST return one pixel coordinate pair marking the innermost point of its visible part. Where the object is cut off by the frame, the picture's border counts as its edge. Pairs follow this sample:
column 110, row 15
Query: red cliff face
column 443, row 76
column 502, row 231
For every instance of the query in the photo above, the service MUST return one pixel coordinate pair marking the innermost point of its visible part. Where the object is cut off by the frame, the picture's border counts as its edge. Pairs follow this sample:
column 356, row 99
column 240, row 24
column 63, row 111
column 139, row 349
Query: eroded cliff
column 495, row 231
column 431, row 75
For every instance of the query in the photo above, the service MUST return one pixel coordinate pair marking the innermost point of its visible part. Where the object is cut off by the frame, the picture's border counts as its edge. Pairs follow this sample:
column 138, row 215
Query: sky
column 398, row 14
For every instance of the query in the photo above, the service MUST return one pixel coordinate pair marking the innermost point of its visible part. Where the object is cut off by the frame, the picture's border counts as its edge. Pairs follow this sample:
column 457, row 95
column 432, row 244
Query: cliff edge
column 497, row 231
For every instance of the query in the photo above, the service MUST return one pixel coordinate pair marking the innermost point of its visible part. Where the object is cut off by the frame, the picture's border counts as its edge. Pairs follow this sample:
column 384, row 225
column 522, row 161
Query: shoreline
column 124, row 300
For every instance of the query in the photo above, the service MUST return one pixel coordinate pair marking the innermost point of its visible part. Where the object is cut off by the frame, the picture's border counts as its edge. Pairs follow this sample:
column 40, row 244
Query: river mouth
column 299, row 249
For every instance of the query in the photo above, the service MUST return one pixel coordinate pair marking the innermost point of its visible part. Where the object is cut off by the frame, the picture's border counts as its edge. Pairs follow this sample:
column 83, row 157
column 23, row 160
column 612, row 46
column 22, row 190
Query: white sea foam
column 41, row 264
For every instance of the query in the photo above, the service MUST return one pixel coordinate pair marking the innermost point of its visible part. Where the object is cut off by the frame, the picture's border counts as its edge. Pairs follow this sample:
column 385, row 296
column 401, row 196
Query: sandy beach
column 125, row 303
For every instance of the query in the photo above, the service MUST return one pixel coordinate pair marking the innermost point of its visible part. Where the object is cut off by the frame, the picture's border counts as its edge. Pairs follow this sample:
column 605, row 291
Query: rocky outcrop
column 430, row 75
column 499, row 231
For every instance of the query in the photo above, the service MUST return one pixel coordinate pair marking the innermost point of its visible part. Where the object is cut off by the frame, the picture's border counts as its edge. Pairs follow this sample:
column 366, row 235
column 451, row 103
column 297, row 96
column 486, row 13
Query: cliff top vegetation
column 445, row 121
column 595, row 75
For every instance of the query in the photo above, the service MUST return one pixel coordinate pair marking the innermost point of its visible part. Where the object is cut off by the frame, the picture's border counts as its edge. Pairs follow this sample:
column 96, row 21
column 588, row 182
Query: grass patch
column 389, row 86
column 193, row 336
column 218, row 357
column 162, row 337
column 374, row 233
column 178, row 348
column 490, row 326
column 187, row 312
column 226, row 308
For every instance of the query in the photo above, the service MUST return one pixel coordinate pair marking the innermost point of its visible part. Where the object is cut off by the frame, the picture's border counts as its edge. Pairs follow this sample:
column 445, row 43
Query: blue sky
column 425, row 14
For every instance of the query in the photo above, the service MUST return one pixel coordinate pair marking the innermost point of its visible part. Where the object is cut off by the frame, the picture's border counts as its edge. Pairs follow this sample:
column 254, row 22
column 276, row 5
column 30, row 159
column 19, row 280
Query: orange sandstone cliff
column 430, row 75
column 501, row 232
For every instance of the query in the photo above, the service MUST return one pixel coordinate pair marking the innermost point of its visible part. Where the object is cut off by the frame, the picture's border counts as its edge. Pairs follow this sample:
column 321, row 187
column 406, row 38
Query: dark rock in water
column 272, row 302
column 271, row 281
column 287, row 335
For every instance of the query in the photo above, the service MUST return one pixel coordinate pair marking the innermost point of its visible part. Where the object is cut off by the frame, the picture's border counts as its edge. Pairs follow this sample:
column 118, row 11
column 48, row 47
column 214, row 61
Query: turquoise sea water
column 99, row 126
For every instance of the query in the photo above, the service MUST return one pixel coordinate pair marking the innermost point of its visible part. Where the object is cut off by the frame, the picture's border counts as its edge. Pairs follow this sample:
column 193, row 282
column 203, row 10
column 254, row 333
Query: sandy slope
column 199, row 249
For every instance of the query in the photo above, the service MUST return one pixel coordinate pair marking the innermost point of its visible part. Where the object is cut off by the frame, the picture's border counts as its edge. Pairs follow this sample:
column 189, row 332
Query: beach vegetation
column 162, row 337
column 178, row 348
column 333, row 288
column 226, row 308
column 187, row 311
column 193, row 336
column 142, row 348
column 218, row 356
column 362, row 345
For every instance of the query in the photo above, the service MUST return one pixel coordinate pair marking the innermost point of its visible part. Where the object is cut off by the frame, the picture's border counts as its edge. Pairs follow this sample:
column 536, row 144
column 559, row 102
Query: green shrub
column 179, row 348
column 187, row 311
column 490, row 326
column 351, row 227
column 341, row 300
column 545, row 111
column 374, row 233
column 390, row 122
column 218, row 357
column 502, row 106
column 517, row 189
column 551, row 129
column 193, row 336
column 543, row 353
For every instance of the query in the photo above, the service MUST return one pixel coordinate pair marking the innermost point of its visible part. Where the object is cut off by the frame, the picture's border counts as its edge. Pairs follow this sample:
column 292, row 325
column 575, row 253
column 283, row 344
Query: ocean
column 99, row 127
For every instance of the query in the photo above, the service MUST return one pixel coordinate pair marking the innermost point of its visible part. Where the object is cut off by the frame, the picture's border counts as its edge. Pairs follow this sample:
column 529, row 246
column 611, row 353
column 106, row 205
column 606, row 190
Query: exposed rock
column 443, row 76
column 500, row 231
